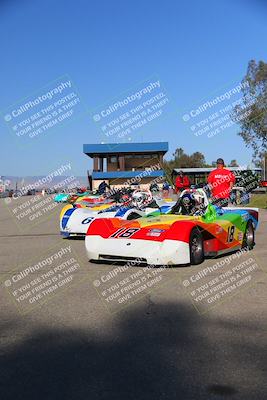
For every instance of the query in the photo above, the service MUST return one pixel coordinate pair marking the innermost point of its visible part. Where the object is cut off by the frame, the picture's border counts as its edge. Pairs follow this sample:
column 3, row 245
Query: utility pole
column 264, row 166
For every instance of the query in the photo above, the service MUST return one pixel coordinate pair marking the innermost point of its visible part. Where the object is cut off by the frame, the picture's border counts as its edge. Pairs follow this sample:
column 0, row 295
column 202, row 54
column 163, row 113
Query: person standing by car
column 181, row 182
column 165, row 189
column 154, row 187
column 103, row 187
column 221, row 182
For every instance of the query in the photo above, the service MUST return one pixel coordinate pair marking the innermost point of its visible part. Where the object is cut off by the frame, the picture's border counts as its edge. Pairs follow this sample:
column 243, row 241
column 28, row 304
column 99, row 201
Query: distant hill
column 41, row 181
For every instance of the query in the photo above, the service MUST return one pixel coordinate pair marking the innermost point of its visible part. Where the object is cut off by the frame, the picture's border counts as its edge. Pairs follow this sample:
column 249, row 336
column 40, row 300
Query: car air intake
column 119, row 258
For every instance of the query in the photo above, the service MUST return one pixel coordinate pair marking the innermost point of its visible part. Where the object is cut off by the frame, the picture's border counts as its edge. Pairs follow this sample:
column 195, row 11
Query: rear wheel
column 249, row 236
column 196, row 247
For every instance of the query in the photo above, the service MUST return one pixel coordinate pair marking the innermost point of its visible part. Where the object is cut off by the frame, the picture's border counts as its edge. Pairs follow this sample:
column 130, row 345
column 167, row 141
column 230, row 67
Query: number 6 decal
column 87, row 220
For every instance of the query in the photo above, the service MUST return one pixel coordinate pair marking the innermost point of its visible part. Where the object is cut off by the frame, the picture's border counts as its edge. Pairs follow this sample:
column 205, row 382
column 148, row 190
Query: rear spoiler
column 253, row 211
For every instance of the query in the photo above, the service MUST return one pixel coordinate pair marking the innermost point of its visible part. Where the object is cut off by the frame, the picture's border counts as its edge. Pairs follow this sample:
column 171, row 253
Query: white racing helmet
column 141, row 199
column 195, row 200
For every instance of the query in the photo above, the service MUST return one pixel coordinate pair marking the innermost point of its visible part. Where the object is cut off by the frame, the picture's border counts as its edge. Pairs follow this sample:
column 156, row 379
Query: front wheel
column 249, row 236
column 196, row 247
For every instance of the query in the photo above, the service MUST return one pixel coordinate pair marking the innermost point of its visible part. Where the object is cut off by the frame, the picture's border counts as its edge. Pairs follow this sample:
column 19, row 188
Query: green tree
column 251, row 113
column 182, row 160
column 179, row 152
column 233, row 163
column 198, row 160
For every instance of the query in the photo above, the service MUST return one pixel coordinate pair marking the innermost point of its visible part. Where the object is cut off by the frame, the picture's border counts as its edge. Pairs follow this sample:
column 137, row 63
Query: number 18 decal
column 125, row 233
column 230, row 235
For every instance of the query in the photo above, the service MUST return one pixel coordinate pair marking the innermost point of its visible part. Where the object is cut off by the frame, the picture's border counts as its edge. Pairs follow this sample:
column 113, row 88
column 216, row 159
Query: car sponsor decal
column 218, row 229
column 240, row 236
column 245, row 217
column 155, row 232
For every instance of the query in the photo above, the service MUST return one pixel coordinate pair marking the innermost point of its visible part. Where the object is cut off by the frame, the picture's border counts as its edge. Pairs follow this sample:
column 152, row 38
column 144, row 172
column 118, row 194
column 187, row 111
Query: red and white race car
column 191, row 230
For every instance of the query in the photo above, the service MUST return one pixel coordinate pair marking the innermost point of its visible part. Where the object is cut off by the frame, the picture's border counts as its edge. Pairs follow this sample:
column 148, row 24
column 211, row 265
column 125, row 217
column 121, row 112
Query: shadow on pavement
column 159, row 351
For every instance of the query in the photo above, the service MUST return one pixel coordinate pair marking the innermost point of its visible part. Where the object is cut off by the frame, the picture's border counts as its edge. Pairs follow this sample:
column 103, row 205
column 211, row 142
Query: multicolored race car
column 61, row 197
column 90, row 199
column 193, row 230
column 74, row 221
column 73, row 197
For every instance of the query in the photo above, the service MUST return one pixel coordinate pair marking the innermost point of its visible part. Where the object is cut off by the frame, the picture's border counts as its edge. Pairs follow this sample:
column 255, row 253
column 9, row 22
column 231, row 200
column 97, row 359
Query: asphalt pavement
column 74, row 330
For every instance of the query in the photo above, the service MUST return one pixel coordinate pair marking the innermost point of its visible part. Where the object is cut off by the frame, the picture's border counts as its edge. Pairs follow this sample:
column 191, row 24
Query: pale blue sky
column 196, row 48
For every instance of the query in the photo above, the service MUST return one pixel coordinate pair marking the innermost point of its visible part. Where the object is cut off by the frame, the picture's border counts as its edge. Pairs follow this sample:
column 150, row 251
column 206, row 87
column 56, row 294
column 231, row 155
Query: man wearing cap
column 181, row 182
column 221, row 182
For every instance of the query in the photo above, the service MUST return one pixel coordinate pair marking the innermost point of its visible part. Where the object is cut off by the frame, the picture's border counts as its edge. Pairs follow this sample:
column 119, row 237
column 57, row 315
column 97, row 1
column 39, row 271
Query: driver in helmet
column 142, row 200
column 189, row 204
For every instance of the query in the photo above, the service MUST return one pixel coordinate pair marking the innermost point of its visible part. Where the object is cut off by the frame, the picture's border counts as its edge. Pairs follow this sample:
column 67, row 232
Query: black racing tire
column 249, row 236
column 196, row 247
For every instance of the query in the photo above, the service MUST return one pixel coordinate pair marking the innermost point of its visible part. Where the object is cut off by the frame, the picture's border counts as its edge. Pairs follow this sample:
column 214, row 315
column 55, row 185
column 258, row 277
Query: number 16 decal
column 125, row 233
